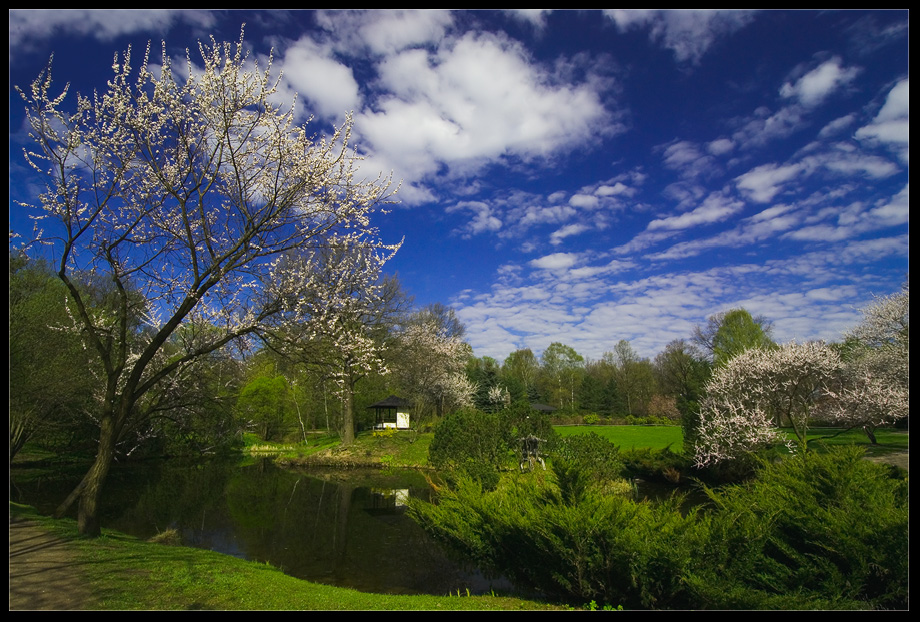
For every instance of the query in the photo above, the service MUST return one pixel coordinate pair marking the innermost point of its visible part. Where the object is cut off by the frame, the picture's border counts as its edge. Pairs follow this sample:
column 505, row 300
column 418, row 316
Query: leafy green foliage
column 828, row 531
column 468, row 435
column 565, row 539
column 262, row 403
column 590, row 453
column 654, row 464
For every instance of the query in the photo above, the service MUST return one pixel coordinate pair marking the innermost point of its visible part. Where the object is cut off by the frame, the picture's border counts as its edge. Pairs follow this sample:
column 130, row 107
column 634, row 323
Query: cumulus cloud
column 567, row 231
column 30, row 25
column 471, row 102
column 556, row 261
column 764, row 182
column 330, row 86
column 383, row 32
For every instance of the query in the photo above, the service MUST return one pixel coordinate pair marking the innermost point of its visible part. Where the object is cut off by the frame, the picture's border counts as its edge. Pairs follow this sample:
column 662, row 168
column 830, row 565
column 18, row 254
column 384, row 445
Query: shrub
column 561, row 537
column 812, row 531
column 468, row 435
column 654, row 464
column 590, row 452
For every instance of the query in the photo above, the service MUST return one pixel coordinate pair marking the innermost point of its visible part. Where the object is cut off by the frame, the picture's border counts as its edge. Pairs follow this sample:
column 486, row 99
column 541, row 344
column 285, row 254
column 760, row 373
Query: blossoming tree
column 430, row 366
column 758, row 390
column 873, row 389
column 189, row 189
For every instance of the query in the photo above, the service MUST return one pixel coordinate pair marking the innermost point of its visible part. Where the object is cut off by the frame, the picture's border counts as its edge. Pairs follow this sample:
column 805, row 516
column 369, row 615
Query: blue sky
column 586, row 176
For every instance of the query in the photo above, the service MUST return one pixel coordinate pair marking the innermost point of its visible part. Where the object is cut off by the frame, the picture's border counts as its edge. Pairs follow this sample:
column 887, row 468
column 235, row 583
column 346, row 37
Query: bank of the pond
column 53, row 568
column 404, row 449
column 407, row 449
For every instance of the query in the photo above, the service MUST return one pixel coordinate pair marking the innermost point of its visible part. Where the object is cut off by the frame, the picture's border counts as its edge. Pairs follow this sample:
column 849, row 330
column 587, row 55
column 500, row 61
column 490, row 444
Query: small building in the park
column 393, row 412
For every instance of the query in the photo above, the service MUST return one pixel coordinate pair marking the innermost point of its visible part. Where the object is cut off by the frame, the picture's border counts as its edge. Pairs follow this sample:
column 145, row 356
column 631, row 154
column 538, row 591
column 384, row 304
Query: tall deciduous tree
column 519, row 372
column 187, row 187
column 563, row 368
column 350, row 343
column 729, row 333
column 48, row 375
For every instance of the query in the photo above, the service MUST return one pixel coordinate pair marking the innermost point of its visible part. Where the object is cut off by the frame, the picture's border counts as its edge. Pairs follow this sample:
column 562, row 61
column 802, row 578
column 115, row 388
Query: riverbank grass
column 125, row 573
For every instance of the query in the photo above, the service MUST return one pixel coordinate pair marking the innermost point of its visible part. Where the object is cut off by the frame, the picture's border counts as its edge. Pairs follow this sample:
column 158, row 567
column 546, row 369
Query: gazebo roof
column 392, row 402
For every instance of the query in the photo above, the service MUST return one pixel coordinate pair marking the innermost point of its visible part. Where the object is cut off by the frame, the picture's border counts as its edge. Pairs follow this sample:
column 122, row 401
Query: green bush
column 655, row 464
column 810, row 532
column 468, row 435
column 590, row 452
column 565, row 540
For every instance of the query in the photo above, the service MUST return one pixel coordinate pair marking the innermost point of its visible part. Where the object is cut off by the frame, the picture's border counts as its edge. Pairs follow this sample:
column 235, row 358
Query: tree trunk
column 89, row 490
column 348, row 415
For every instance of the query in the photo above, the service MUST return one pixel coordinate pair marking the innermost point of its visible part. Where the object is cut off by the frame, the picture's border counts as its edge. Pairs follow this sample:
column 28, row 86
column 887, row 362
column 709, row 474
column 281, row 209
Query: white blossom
column 757, row 391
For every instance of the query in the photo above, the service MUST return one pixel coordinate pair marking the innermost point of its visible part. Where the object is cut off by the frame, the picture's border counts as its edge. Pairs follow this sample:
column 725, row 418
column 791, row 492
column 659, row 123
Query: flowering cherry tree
column 430, row 364
column 757, row 391
column 348, row 315
column 873, row 389
column 190, row 190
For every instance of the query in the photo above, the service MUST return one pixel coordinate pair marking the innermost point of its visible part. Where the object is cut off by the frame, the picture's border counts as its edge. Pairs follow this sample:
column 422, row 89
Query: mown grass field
column 659, row 437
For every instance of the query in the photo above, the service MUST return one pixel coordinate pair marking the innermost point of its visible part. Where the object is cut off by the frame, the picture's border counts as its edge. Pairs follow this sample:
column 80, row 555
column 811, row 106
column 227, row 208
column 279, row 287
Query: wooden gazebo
column 393, row 412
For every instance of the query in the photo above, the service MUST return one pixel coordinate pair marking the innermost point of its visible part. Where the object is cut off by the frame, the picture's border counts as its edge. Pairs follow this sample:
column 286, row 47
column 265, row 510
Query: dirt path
column 44, row 574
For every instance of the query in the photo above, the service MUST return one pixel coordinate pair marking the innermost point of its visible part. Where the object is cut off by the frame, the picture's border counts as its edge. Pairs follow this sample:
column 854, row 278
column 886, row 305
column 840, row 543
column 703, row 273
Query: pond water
column 345, row 528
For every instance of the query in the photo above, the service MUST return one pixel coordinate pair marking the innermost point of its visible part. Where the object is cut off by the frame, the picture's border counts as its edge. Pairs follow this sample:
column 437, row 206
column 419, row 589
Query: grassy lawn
column 632, row 436
column 659, row 437
column 889, row 439
column 125, row 573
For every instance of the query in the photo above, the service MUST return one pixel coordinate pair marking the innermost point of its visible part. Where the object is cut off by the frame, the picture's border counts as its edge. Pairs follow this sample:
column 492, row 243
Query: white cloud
column 484, row 218
column 474, row 100
column 28, row 25
column 330, row 86
column 617, row 189
column 688, row 33
column 534, row 17
column 764, row 182
column 819, row 83
column 384, row 32
column 567, row 231
column 891, row 125
column 720, row 146
column 584, row 201
column 715, row 208
column 556, row 261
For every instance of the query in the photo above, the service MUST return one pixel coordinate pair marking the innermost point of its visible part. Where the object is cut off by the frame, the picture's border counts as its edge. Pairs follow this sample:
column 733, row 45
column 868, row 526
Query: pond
column 338, row 527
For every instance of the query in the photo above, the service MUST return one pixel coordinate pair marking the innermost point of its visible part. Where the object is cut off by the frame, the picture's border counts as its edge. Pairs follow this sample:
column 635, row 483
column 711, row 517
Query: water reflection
column 345, row 528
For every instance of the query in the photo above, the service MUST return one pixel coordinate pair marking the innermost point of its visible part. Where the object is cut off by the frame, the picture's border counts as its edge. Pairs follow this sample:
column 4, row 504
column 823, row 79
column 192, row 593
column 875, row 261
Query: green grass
column 659, row 437
column 889, row 439
column 125, row 573
column 632, row 436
